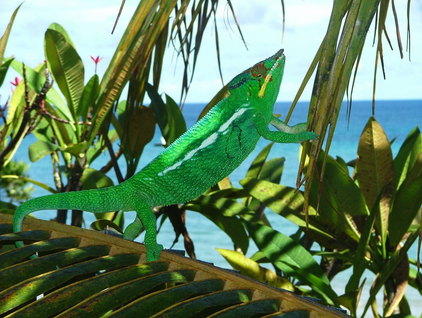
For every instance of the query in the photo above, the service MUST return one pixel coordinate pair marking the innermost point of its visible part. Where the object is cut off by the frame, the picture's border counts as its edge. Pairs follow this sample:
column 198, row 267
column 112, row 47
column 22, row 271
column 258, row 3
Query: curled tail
column 96, row 200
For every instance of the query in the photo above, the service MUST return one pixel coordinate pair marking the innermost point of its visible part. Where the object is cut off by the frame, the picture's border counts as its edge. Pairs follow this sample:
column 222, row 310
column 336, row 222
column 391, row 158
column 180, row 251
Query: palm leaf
column 85, row 273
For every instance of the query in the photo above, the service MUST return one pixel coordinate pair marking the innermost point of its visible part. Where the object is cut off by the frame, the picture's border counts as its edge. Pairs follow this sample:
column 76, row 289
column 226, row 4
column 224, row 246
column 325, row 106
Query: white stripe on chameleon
column 231, row 119
column 191, row 153
column 208, row 141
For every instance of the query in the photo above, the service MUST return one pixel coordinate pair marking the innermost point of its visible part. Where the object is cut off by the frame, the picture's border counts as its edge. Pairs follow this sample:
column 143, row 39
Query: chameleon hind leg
column 145, row 218
column 286, row 133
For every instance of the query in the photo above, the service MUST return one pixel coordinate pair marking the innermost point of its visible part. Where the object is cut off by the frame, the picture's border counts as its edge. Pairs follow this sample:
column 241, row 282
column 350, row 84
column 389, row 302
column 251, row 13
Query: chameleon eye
column 258, row 71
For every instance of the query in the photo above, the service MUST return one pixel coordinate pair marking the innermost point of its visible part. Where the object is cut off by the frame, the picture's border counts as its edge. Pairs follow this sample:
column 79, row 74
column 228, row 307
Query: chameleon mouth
column 268, row 77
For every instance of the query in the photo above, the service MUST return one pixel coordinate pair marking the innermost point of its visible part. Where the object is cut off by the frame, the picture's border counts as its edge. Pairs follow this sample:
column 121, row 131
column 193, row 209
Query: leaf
column 35, row 81
column 258, row 163
column 252, row 269
column 232, row 226
column 60, row 29
column 137, row 43
column 389, row 268
column 88, row 98
column 41, row 148
column 375, row 172
column 4, row 67
column 94, row 179
column 339, row 200
column 273, row 169
column 134, row 139
column 292, row 258
column 285, row 201
column 66, row 66
column 407, row 156
column 105, row 225
column 6, row 34
column 169, row 117
column 401, row 281
column 406, row 205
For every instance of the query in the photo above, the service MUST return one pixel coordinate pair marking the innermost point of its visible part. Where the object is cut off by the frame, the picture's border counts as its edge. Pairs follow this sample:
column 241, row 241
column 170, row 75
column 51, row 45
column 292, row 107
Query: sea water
column 397, row 118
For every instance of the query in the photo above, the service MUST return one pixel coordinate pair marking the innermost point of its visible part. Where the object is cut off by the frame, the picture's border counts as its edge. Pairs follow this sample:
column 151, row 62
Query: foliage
column 365, row 219
column 16, row 189
column 79, row 121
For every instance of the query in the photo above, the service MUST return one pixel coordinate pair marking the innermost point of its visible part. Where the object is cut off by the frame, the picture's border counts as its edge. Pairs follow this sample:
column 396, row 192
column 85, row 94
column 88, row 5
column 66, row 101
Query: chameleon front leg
column 145, row 218
column 286, row 133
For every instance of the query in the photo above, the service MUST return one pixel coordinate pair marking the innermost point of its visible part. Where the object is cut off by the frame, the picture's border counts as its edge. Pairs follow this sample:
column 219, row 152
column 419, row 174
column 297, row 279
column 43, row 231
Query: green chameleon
column 206, row 153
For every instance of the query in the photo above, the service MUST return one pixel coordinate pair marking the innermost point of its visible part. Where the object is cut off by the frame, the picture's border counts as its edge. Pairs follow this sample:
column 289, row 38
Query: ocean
column 397, row 117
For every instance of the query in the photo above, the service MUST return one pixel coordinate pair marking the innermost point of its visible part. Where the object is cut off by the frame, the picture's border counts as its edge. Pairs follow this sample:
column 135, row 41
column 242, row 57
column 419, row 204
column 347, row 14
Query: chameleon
column 201, row 157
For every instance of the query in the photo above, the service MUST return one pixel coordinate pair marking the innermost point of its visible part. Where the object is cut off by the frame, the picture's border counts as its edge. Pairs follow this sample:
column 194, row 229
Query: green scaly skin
column 209, row 151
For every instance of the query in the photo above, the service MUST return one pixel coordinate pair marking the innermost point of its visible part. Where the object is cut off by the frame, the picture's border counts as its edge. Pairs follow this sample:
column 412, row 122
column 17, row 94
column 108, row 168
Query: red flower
column 96, row 61
column 16, row 81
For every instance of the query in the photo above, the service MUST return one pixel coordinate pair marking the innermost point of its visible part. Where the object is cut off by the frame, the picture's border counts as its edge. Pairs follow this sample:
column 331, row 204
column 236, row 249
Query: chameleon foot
column 153, row 252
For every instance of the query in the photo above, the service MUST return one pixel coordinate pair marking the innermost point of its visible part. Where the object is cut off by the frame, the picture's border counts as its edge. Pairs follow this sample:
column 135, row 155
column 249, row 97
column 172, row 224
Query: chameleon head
column 262, row 81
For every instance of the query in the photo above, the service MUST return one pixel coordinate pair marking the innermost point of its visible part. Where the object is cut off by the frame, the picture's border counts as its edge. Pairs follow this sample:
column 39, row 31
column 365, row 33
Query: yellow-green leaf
column 252, row 269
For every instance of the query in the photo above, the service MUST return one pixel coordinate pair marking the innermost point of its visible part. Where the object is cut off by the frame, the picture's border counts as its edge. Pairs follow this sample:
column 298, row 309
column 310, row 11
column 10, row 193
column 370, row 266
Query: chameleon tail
column 95, row 200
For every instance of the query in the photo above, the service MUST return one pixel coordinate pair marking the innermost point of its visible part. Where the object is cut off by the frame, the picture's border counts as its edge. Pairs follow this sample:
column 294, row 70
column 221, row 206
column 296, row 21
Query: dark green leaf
column 169, row 117
column 257, row 165
column 66, row 66
column 41, row 148
column 292, row 258
column 94, row 179
column 88, row 98
column 4, row 67
column 407, row 156
column 406, row 205
column 232, row 226
column 5, row 36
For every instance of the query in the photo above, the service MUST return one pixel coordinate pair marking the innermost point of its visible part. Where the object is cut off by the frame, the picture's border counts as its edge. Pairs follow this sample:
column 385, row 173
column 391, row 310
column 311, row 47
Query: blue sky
column 89, row 24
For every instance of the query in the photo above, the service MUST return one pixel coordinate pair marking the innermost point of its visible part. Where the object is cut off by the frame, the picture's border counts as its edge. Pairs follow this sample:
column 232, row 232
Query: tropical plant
column 361, row 221
column 83, row 120
column 364, row 221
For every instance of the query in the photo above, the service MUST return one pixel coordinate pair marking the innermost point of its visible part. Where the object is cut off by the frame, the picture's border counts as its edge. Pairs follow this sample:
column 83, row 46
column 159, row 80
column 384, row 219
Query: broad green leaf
column 272, row 170
column 375, row 172
column 76, row 149
column 94, row 179
column 138, row 125
column 6, row 34
column 232, row 226
column 60, row 29
column 257, row 164
column 36, row 81
column 41, row 148
column 16, row 106
column 169, row 117
column 406, row 205
column 285, row 201
column 66, row 66
column 338, row 198
column 252, row 269
column 292, row 258
column 407, row 155
column 4, row 67
column 224, row 206
column 88, row 98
